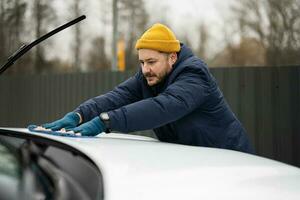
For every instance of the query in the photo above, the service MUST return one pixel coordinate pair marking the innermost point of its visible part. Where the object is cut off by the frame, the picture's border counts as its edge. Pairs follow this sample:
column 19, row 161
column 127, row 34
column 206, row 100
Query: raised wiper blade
column 26, row 47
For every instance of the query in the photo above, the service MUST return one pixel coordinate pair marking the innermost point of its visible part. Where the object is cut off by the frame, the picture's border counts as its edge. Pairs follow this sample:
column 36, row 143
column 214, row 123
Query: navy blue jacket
column 186, row 108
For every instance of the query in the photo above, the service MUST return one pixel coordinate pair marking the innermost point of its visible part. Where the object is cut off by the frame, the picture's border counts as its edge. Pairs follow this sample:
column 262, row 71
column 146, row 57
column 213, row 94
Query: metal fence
column 265, row 99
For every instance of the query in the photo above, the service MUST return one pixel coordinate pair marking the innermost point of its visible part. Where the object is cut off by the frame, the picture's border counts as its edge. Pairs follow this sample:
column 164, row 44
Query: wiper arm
column 26, row 47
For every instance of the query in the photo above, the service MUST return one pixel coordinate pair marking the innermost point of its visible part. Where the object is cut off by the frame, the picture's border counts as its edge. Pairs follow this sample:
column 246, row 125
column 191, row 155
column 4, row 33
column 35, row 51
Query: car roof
column 137, row 167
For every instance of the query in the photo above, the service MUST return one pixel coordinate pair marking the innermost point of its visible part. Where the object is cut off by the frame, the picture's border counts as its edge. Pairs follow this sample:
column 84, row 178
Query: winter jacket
column 186, row 108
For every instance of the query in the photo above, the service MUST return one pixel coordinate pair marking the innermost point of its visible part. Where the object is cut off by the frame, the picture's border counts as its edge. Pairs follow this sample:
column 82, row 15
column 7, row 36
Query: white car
column 122, row 166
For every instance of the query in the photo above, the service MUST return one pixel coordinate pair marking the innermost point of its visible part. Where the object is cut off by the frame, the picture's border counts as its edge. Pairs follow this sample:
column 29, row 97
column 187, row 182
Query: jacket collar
column 184, row 53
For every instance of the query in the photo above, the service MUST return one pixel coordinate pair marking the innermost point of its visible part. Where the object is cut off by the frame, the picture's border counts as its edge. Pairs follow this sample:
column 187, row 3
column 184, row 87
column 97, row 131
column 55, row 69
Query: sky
column 184, row 17
column 182, row 11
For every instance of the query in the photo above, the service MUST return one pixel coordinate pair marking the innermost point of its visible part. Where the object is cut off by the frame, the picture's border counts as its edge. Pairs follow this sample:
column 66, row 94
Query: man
column 173, row 93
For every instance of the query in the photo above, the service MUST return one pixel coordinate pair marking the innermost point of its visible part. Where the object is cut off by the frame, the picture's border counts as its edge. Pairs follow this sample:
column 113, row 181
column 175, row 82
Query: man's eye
column 151, row 62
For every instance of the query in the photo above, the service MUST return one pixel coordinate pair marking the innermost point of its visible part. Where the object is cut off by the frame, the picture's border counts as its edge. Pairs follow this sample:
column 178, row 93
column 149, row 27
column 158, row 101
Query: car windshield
column 10, row 172
column 36, row 168
column 9, row 164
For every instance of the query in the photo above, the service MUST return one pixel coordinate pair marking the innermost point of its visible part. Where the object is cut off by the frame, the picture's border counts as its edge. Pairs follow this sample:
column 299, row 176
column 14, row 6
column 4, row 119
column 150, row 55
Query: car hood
column 137, row 167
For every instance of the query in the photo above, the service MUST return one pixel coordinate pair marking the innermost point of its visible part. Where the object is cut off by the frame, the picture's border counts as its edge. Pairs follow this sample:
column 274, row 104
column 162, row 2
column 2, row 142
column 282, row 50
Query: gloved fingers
column 90, row 128
column 71, row 131
column 56, row 128
column 69, row 127
column 84, row 131
column 48, row 125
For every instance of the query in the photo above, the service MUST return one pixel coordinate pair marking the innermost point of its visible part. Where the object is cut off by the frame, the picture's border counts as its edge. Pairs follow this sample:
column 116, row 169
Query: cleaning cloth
column 39, row 129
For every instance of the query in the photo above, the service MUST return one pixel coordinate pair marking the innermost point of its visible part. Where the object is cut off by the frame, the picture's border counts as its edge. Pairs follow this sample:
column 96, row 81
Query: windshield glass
column 10, row 172
column 9, row 164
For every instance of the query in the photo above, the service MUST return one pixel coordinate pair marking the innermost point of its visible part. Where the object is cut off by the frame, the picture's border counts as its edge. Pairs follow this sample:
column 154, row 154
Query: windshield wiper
column 26, row 47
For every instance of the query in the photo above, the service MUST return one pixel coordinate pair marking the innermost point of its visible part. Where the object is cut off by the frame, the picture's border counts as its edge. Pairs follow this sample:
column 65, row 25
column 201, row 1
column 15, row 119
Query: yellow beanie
column 159, row 37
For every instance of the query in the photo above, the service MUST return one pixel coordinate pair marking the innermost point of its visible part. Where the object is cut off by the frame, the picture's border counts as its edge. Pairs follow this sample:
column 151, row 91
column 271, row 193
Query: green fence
column 265, row 99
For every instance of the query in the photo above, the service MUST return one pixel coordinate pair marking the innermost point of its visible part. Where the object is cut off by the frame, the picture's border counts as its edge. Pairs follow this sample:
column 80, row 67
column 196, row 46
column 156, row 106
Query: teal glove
column 69, row 121
column 91, row 128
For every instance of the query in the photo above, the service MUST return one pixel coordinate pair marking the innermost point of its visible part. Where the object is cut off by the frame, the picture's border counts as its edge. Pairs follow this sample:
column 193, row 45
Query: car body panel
column 137, row 167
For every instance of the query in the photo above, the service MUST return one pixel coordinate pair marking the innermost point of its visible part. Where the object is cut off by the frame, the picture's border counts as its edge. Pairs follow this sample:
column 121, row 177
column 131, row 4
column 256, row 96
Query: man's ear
column 173, row 58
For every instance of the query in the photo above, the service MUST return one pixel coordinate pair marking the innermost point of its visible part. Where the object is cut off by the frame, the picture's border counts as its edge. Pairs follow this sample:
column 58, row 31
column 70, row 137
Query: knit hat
column 159, row 37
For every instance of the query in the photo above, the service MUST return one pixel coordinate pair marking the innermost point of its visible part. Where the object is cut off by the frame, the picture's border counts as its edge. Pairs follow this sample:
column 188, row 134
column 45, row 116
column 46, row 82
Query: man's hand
column 69, row 121
column 91, row 128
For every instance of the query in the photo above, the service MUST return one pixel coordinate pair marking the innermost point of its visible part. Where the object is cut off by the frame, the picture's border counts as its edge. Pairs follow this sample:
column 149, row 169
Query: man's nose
column 146, row 68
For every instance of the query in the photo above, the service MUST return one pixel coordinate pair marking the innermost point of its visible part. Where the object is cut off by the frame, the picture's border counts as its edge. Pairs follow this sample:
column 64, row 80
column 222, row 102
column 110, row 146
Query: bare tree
column 134, row 19
column 105, row 6
column 43, row 16
column 2, row 31
column 11, row 25
column 97, row 57
column 17, row 20
column 76, row 46
column 248, row 52
column 13, row 32
column 203, row 41
column 276, row 24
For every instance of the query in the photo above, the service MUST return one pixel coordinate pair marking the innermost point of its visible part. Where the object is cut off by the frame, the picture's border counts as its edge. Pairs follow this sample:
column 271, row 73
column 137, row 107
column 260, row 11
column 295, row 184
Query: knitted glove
column 69, row 121
column 91, row 128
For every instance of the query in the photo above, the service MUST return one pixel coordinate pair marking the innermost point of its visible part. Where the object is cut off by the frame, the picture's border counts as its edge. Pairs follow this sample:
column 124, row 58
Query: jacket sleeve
column 125, row 93
column 181, row 97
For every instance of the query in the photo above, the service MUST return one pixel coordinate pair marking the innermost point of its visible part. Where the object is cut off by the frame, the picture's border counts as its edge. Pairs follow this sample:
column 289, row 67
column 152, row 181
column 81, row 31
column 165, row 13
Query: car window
column 9, row 164
column 10, row 169
column 37, row 168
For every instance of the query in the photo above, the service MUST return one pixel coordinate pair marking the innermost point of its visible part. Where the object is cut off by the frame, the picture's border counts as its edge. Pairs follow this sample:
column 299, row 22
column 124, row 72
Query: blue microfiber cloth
column 33, row 127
